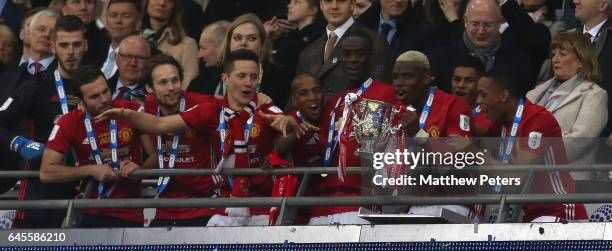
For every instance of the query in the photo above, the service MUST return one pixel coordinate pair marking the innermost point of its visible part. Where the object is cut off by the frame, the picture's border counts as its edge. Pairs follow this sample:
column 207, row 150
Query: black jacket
column 443, row 61
column 97, row 46
column 412, row 31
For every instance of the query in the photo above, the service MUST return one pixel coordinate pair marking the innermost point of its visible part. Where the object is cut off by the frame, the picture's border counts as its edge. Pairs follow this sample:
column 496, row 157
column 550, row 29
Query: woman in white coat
column 574, row 98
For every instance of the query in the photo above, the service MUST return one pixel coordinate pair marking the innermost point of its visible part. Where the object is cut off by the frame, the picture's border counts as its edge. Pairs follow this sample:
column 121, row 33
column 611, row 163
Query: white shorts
column 222, row 221
column 347, row 218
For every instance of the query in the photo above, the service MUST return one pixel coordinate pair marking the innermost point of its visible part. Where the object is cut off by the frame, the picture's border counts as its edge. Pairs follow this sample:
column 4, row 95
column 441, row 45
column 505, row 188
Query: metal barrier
column 504, row 200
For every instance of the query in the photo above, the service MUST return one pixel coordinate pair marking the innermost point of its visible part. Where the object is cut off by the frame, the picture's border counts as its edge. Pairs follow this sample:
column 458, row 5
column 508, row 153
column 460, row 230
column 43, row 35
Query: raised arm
column 145, row 122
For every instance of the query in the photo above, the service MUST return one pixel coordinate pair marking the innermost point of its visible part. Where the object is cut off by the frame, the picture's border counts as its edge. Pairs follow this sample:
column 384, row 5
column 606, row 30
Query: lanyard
column 162, row 182
column 427, row 107
column 331, row 141
column 506, row 145
column 476, row 111
column 96, row 151
column 61, row 92
column 63, row 99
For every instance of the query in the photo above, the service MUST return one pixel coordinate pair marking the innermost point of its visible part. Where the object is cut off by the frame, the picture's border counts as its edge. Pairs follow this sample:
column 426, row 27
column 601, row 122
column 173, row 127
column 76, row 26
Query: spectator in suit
column 37, row 55
column 163, row 29
column 593, row 14
column 24, row 37
column 210, row 44
column 11, row 15
column 482, row 39
column 97, row 38
column 8, row 45
column 400, row 26
column 131, row 56
column 39, row 31
column 248, row 32
column 574, row 98
column 122, row 20
column 321, row 57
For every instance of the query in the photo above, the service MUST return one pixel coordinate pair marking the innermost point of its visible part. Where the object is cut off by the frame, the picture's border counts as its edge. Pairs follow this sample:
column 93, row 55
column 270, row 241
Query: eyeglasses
column 128, row 57
column 485, row 25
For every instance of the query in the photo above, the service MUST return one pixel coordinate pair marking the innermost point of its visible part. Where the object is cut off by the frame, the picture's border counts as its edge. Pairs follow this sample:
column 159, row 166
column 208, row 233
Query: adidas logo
column 86, row 141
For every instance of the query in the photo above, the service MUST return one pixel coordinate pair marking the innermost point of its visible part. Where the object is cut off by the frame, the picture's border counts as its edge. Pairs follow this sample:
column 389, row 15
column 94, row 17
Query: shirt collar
column 382, row 20
column 595, row 30
column 341, row 29
column 45, row 62
column 119, row 85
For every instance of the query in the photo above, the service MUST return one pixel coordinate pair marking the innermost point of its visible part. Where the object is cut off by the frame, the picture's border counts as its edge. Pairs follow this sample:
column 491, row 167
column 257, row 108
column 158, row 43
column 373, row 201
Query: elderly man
column 482, row 39
column 131, row 56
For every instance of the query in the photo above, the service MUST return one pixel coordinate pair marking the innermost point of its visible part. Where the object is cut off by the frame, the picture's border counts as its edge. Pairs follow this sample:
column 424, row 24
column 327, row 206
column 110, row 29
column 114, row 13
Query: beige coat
column 186, row 53
column 582, row 115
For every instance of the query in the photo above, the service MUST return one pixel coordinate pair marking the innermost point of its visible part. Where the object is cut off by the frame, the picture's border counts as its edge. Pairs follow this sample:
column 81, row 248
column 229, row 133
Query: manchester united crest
column 434, row 131
column 255, row 131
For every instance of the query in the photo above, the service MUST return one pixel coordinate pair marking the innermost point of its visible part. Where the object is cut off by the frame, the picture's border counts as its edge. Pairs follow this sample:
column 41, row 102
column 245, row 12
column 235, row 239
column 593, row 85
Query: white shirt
column 43, row 64
column 339, row 31
column 108, row 61
column 594, row 31
column 119, row 85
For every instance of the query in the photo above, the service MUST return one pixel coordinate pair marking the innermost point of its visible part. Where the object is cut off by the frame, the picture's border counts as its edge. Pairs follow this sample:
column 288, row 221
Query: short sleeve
column 62, row 134
column 201, row 116
column 459, row 121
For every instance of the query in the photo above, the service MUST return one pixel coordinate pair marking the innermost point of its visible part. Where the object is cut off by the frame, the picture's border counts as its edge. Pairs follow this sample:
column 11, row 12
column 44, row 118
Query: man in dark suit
column 593, row 14
column 131, row 56
column 483, row 40
column 321, row 58
column 403, row 29
column 97, row 39
column 11, row 15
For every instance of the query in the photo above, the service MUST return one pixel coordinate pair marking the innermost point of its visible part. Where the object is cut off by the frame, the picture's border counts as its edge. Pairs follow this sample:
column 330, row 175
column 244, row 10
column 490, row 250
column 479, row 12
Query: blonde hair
column 266, row 45
column 414, row 56
column 579, row 45
column 6, row 32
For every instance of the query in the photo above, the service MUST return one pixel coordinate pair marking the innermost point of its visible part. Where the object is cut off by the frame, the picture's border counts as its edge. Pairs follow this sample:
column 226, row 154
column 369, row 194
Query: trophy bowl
column 371, row 123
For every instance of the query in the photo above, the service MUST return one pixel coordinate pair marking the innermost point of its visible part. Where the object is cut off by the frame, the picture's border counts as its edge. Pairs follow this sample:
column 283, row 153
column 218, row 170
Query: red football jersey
column 308, row 150
column 539, row 133
column 449, row 115
column 330, row 185
column 195, row 150
column 481, row 121
column 70, row 132
column 259, row 145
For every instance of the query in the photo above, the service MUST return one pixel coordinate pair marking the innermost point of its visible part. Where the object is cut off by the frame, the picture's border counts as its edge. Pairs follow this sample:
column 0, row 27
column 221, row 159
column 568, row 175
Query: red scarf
column 236, row 142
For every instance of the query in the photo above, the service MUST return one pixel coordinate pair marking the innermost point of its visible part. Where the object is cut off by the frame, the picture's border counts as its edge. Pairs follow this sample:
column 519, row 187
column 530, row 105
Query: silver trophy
column 372, row 123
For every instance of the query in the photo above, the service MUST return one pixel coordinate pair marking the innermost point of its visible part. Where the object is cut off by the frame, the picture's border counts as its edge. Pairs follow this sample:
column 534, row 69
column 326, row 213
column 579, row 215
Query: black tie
column 384, row 31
